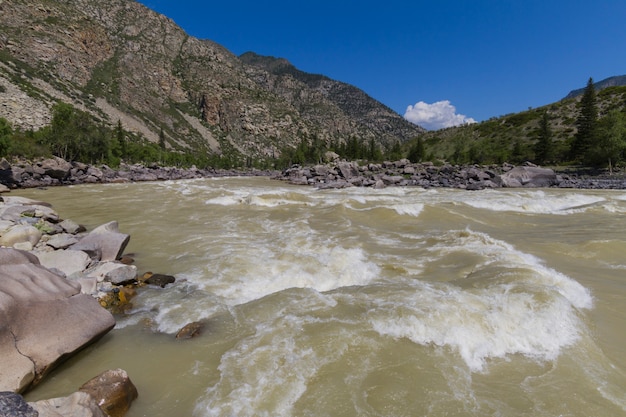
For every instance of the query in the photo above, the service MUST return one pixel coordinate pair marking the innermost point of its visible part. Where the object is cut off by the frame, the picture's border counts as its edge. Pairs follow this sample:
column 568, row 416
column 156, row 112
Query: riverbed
column 361, row 302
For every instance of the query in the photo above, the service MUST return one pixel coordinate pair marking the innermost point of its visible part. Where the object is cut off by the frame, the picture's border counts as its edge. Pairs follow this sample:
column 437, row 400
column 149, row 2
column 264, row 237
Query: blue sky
column 445, row 61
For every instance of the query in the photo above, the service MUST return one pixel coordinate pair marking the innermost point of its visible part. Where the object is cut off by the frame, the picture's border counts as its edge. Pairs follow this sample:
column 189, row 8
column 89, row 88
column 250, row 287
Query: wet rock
column 190, row 330
column 113, row 391
column 160, row 280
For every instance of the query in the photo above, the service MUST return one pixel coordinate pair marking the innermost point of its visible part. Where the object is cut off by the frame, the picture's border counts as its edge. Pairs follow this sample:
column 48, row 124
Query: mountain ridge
column 614, row 81
column 123, row 61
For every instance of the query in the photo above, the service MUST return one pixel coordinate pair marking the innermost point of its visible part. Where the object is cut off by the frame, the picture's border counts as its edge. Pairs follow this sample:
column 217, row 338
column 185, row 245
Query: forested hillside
column 589, row 129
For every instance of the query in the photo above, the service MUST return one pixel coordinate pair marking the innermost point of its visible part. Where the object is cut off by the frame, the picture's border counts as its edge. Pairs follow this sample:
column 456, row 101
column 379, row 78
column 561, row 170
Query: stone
column 113, row 391
column 190, row 330
column 14, row 405
column 105, row 240
column 116, row 273
column 79, row 404
column 71, row 227
column 528, row 176
column 160, row 280
column 20, row 234
column 56, row 168
column 46, row 319
column 67, row 261
column 61, row 241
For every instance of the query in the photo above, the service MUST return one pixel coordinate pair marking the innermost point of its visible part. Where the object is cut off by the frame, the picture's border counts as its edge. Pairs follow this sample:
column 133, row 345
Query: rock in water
column 113, row 391
column 190, row 330
column 160, row 279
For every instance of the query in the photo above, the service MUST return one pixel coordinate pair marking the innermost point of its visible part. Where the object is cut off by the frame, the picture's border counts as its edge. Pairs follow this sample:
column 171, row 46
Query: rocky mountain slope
column 615, row 81
column 119, row 60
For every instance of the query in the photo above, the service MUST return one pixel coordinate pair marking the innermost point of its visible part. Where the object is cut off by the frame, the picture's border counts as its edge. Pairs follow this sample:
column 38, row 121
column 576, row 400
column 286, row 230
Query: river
column 363, row 302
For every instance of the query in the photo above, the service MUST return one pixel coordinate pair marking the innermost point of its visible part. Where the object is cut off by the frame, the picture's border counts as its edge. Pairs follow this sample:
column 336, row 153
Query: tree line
column 74, row 135
column 597, row 139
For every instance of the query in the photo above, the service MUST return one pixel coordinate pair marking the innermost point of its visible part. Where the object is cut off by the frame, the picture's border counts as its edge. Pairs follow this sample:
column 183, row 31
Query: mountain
column 120, row 61
column 615, row 81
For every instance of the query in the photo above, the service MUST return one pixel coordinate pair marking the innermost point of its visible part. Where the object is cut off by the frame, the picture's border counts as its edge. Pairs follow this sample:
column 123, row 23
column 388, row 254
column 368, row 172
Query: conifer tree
column 544, row 148
column 587, row 121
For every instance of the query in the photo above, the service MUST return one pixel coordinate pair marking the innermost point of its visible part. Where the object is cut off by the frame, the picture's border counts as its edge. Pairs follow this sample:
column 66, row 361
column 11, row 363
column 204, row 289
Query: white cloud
column 435, row 116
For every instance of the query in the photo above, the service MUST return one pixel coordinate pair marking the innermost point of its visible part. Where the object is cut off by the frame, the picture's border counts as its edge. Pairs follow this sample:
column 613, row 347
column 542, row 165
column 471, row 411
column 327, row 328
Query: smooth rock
column 62, row 241
column 19, row 234
column 67, row 261
column 115, row 272
column 528, row 176
column 45, row 320
column 105, row 240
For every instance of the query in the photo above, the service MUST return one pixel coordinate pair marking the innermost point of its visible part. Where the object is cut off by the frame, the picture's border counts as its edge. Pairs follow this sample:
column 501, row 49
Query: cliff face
column 119, row 60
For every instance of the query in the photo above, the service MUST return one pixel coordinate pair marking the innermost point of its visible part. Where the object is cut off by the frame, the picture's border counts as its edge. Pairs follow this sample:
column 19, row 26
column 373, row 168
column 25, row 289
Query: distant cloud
column 435, row 116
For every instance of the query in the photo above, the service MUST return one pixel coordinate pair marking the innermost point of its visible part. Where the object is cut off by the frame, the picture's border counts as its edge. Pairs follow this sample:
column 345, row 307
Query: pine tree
column 586, row 123
column 544, row 148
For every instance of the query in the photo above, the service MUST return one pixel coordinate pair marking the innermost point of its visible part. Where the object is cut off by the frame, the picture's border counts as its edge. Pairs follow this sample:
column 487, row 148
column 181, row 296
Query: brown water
column 361, row 302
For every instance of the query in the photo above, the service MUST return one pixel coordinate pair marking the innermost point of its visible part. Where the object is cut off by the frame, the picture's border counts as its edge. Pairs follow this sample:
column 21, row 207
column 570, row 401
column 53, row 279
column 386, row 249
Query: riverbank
column 343, row 174
column 336, row 174
column 59, row 285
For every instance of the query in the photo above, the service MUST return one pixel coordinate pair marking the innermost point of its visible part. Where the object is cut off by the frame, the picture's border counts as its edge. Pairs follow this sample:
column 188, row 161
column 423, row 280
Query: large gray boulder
column 44, row 319
column 56, row 167
column 529, row 177
column 105, row 242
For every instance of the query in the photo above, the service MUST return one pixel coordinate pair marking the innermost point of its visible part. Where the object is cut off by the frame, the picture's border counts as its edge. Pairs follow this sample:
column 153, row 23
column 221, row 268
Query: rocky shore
column 59, row 285
column 335, row 174
column 341, row 174
column 56, row 171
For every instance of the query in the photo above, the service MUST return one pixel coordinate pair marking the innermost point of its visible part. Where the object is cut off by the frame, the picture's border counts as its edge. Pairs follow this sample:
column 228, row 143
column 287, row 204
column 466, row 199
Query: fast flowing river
column 362, row 302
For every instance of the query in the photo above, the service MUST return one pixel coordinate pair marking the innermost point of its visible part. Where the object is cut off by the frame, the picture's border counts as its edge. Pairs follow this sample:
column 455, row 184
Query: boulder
column 67, row 261
column 159, row 279
column 71, row 227
column 20, row 233
column 105, row 240
column 79, row 404
column 190, row 330
column 528, row 176
column 62, row 241
column 116, row 273
column 56, row 168
column 113, row 391
column 45, row 320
